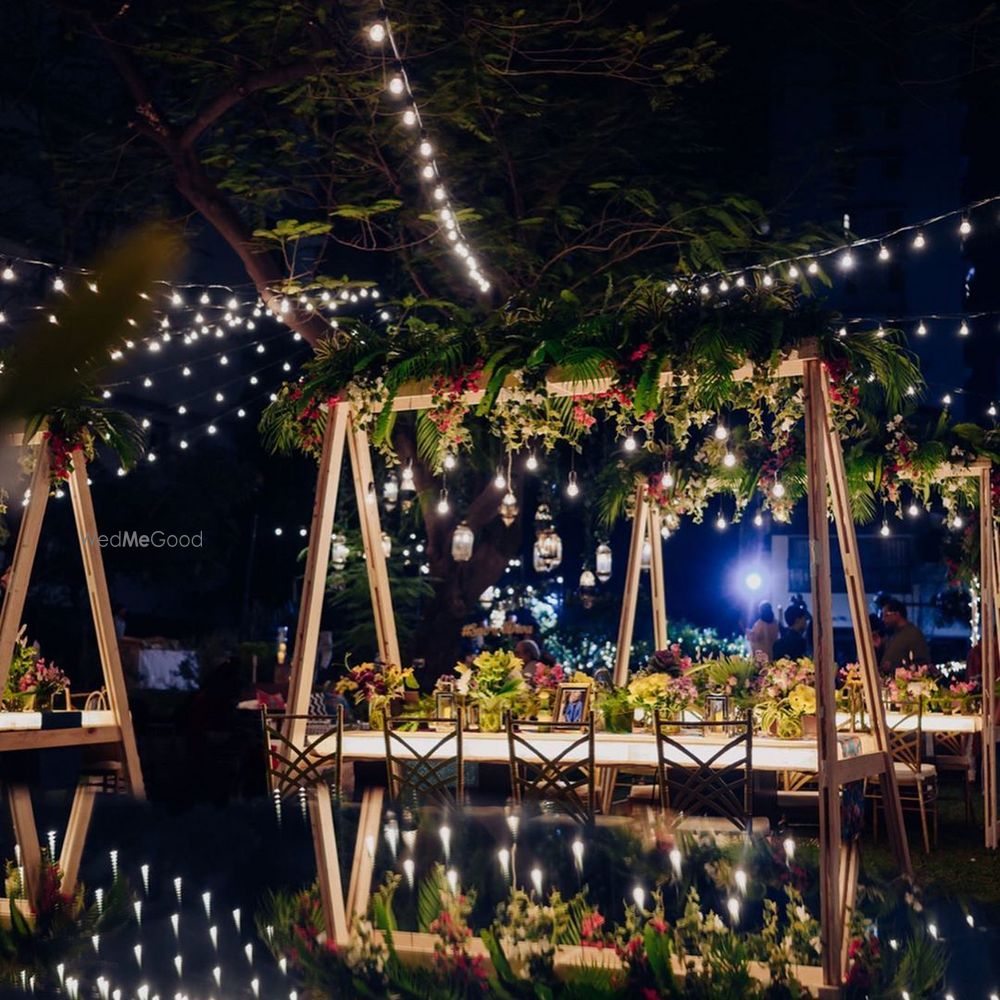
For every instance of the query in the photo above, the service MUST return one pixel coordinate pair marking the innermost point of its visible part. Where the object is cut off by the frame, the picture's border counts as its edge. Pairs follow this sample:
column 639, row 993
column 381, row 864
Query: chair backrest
column 906, row 739
column 699, row 778
column 291, row 768
column 425, row 772
column 552, row 764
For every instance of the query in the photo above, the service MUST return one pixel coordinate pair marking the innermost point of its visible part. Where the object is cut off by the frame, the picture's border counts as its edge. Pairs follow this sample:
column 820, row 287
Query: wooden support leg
column 633, row 571
column 988, row 646
column 24, row 558
column 371, row 534
column 657, row 588
column 360, row 889
column 317, row 566
column 104, row 625
column 76, row 834
column 26, row 834
column 827, row 746
column 328, row 863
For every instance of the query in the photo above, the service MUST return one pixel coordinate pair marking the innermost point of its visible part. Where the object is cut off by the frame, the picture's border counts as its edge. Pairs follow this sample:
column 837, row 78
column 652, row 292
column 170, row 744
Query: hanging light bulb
column 486, row 598
column 442, row 505
column 992, row 411
column 406, row 479
column 339, row 551
column 630, row 443
column 957, row 521
column 758, row 520
column 729, row 460
column 778, row 490
column 572, row 488
column 449, row 461
column 531, row 462
column 409, row 117
column 793, row 272
column 963, row 330
column 500, row 480
column 646, row 555
column 396, row 86
column 721, row 432
column 386, row 545
column 390, row 491
column 913, row 510
column 965, row 227
column 587, row 580
column 884, row 530
column 509, row 509
column 720, row 522
column 921, row 329
column 602, row 562
column 812, row 267
column 919, row 242
column 846, row 260
column 376, row 32
column 462, row 541
column 883, row 252
column 666, row 479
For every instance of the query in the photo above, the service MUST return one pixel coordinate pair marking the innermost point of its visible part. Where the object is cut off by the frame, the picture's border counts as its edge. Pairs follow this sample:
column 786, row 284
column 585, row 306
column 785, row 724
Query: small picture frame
column 444, row 708
column 572, row 703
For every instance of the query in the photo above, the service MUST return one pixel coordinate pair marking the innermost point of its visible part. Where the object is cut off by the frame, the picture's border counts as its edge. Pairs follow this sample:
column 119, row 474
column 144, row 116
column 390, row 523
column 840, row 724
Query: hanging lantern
column 551, row 545
column 509, row 509
column 339, row 552
column 602, row 562
column 646, row 559
column 487, row 597
column 386, row 544
column 462, row 541
column 543, row 518
column 587, row 579
column 407, row 484
column 538, row 560
column 588, row 586
column 390, row 491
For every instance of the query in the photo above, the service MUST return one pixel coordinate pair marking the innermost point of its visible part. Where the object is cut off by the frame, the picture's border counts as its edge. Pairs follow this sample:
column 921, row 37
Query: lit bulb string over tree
column 667, row 379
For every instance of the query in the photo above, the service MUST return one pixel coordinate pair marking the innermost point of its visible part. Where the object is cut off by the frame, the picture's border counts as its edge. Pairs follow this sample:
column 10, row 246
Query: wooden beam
column 988, row 649
column 328, row 863
column 633, row 571
column 419, row 396
column 26, row 835
column 360, row 888
column 371, row 535
column 76, row 834
column 13, row 740
column 24, row 557
column 317, row 565
column 104, row 625
column 827, row 746
column 658, row 592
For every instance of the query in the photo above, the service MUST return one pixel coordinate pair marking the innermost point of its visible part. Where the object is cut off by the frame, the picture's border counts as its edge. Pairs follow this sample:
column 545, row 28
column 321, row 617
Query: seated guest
column 527, row 651
column 905, row 643
column 791, row 642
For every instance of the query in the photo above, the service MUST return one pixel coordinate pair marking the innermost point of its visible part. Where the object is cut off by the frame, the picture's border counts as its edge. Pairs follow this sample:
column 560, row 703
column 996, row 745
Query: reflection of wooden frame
column 563, row 701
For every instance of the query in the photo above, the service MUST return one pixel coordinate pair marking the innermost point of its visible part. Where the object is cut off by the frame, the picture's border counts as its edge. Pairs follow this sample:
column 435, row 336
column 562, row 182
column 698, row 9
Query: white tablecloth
column 161, row 668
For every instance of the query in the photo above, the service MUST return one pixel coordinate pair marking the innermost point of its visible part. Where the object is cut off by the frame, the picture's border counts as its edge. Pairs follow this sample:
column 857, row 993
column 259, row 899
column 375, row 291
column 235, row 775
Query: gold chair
column 709, row 786
column 290, row 768
column 562, row 781
column 435, row 775
column 917, row 779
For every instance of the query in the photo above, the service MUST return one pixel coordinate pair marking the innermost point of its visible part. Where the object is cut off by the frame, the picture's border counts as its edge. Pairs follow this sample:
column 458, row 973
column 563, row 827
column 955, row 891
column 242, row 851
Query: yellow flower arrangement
column 802, row 698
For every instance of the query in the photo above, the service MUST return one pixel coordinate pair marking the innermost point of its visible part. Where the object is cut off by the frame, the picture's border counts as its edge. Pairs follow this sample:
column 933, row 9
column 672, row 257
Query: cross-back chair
column 556, row 775
column 708, row 785
column 422, row 772
column 291, row 768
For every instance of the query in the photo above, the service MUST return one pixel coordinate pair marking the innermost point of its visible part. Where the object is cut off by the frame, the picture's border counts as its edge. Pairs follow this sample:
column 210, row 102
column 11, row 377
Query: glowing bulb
column 425, row 148
column 918, row 241
column 883, row 252
column 767, row 280
column 921, row 329
column 409, row 117
column 963, row 330
column 449, row 461
column 733, row 906
column 59, row 285
column 812, row 267
column 793, row 272
column 639, row 896
column 396, row 85
column 428, row 172
column 913, row 510
column 376, row 33
column 729, row 460
column 778, row 490
column 884, row 530
column 721, row 433
column 705, row 290
column 212, row 429
column 630, row 443
column 946, row 399
column 572, row 488
column 846, row 260
column 667, row 480
column 723, row 285
column 965, row 227
column 500, row 480
column 992, row 411
column 675, row 861
column 8, row 273
column 536, row 880
column 531, row 463
column 957, row 522
column 443, row 506
column 758, row 520
column 720, row 522
column 740, row 877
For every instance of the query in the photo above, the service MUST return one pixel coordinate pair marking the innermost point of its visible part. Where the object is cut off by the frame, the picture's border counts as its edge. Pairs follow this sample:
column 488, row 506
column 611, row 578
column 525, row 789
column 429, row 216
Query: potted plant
column 382, row 687
column 786, row 699
column 495, row 683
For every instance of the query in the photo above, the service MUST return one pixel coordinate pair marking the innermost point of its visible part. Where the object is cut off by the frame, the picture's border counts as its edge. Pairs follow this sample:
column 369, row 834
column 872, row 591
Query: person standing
column 791, row 643
column 764, row 632
column 905, row 644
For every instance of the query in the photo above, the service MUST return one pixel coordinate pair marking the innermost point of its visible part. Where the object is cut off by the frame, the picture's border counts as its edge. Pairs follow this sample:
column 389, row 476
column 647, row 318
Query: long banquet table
column 39, row 730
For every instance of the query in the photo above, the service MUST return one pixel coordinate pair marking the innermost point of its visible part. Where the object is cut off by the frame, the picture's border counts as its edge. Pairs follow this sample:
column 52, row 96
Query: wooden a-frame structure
column 117, row 731
column 839, row 863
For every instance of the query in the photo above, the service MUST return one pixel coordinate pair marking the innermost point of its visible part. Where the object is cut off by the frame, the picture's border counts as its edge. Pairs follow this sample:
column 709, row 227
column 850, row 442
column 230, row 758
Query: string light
column 919, row 241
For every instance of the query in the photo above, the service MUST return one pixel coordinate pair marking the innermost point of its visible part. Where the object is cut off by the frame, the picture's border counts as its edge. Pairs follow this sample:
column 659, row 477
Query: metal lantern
column 390, row 491
column 509, row 509
column 407, row 484
column 462, row 541
column 386, row 544
column 339, row 551
column 588, row 586
column 538, row 560
column 602, row 562
column 550, row 547
column 647, row 555
column 543, row 518
column 587, row 579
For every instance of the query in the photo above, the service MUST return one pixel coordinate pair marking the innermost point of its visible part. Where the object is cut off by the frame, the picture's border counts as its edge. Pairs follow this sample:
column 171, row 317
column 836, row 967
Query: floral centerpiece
column 734, row 677
column 908, row 686
column 786, row 697
column 959, row 697
column 32, row 684
column 544, row 682
column 495, row 683
column 651, row 693
column 377, row 686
